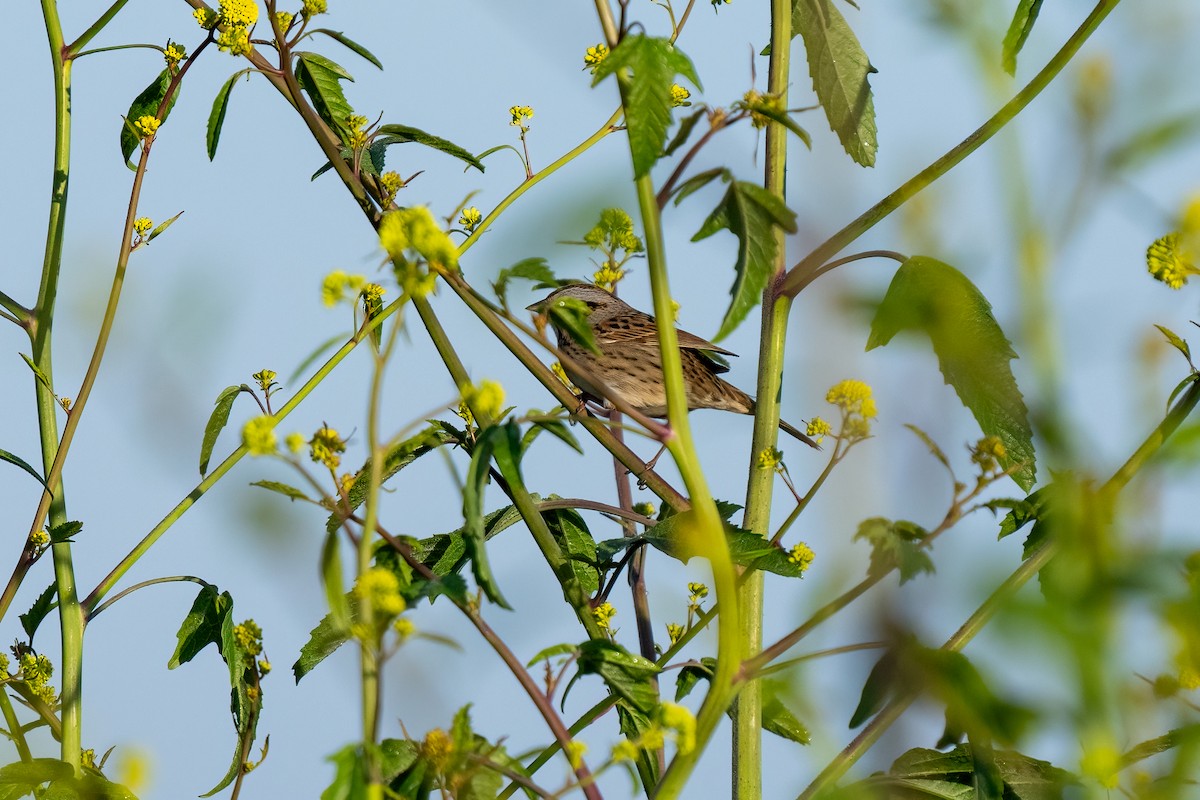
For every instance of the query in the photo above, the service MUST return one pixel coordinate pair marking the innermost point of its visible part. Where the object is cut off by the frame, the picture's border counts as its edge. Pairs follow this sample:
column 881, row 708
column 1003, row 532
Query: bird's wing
column 639, row 327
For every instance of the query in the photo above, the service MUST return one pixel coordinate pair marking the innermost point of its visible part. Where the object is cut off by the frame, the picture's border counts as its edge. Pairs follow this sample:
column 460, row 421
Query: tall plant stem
column 747, row 719
column 40, row 329
column 804, row 272
column 1028, row 568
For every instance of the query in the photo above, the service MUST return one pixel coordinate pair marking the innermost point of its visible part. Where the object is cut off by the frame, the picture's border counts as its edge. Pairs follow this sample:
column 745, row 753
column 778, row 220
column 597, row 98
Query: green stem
column 747, row 717
column 14, row 728
column 152, row 582
column 804, row 272
column 1028, row 568
column 96, row 27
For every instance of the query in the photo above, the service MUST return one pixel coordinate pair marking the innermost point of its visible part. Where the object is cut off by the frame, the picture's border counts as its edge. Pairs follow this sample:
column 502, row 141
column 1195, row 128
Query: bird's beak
column 537, row 308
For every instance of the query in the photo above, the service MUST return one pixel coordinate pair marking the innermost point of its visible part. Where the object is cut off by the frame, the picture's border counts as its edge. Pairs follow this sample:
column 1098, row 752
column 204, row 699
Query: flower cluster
column 770, row 458
column 669, row 718
column 258, row 436
column 413, row 231
column 987, row 454
column 173, row 54
column 146, row 125
column 1172, row 259
column 818, row 429
column 249, row 637
column 470, row 218
column 609, row 275
column 237, row 17
column 311, row 8
column 675, row 632
column 519, row 115
column 265, row 379
column 338, row 286
column 603, row 614
column 801, row 555
column 142, row 225
column 359, row 135
column 679, row 96
column 762, row 107
column 486, row 397
column 381, row 588
column 854, row 400
column 326, row 447
column 594, row 55
column 284, row 20
column 391, row 183
column 36, row 671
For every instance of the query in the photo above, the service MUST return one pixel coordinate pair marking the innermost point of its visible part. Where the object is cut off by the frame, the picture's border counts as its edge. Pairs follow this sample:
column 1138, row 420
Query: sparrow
column 629, row 364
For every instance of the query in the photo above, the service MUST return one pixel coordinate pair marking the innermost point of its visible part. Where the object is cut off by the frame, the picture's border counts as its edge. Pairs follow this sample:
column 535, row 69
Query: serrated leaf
column 973, row 353
column 45, row 603
column 895, row 545
column 577, row 544
column 144, row 104
column 686, row 126
column 406, row 133
column 751, row 213
column 323, row 640
column 628, row 675
column 654, row 63
column 217, row 422
column 202, row 625
column 64, row 532
column 691, row 674
column 344, row 40
column 41, row 376
column 1018, row 31
column 321, row 79
column 216, row 117
column 530, row 269
column 17, row 461
column 88, row 786
column 1024, row 512
column 839, row 68
column 34, row 772
column 290, row 492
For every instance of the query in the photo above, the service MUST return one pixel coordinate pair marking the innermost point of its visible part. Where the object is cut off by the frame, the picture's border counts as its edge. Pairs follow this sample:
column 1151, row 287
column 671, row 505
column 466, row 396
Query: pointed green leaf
column 571, row 314
column 686, row 126
column 323, row 640
column 555, row 428
column 144, row 104
column 17, row 461
column 1178, row 342
column 154, row 234
column 398, row 134
column 216, row 117
column 202, row 625
column 530, row 269
column 778, row 718
column 626, row 674
column 839, row 68
column 290, row 492
column 751, row 213
column 895, row 545
column 217, row 422
column 64, row 532
column 1156, row 139
column 37, row 612
column 41, row 376
column 245, row 697
column 547, row 653
column 699, row 181
column 936, row 299
column 577, row 544
column 490, row 440
column 1018, row 31
column 654, row 63
column 320, row 79
column 342, row 39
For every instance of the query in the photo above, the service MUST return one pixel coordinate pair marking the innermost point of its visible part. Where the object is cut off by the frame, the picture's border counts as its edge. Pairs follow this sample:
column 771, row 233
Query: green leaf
column 349, row 775
column 144, row 104
column 1018, row 31
column 878, row 688
column 65, row 532
column 934, row 298
column 16, row 460
column 654, row 63
column 342, row 39
column 1156, row 139
column 245, row 697
column 577, row 544
column 491, row 441
column 554, row 427
column 627, row 675
column 216, row 117
column 217, row 422
column 88, row 786
column 781, row 115
column 529, row 269
column 778, row 718
column 751, row 213
column 323, row 640
column 320, row 79
column 1024, row 512
column 202, row 625
column 399, row 134
column 699, row 181
column 547, row 653
column 38, row 611
column 839, row 68
column 686, row 126
column 158, row 229
column 692, row 674
column 634, row 724
column 41, row 376
column 895, row 545
column 571, row 314
column 399, row 457
column 1176, row 341
column 321, row 349
column 290, row 492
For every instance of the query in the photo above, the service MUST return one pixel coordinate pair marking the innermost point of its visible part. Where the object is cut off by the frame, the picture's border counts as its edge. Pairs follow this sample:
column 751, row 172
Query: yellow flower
column 680, row 720
column 88, row 757
column 801, row 555
column 391, row 183
column 1169, row 262
column 519, row 115
column 487, row 397
column 39, row 539
column 818, row 429
column 146, row 126
column 258, row 435
column 295, row 442
column 234, row 40
column 372, row 293
column 604, row 614
column 414, row 229
column 853, row 397
column 679, row 96
column 142, row 225
column 338, row 286
column 264, row 666
column 206, row 18
column 65, row 402
column 249, row 637
column 1102, row 762
column 238, row 13
column 313, row 7
column 698, row 590
column 284, row 20
column 470, row 218
column 608, row 276
column 381, row 587
column 404, row 627
column 594, row 55
column 326, row 445
column 437, row 749
column 770, row 458
column 674, row 632
column 624, row 750
column 174, row 53
column 645, row 509
column 987, row 452
column 265, row 378
column 575, row 751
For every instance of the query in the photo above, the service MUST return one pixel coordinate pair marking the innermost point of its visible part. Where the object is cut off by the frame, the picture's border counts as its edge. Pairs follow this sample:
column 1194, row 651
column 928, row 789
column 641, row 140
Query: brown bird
column 630, row 365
